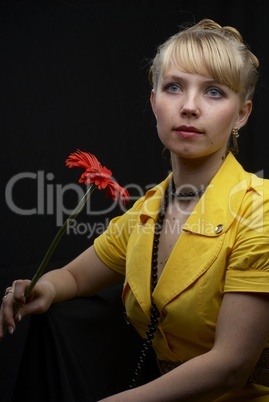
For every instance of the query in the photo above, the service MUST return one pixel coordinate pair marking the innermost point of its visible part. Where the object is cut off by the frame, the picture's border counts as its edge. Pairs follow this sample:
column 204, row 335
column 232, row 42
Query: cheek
column 164, row 114
column 158, row 110
column 220, row 123
column 226, row 117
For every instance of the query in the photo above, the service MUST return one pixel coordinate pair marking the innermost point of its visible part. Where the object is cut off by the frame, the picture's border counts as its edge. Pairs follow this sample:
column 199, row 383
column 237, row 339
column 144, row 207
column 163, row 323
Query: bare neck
column 195, row 173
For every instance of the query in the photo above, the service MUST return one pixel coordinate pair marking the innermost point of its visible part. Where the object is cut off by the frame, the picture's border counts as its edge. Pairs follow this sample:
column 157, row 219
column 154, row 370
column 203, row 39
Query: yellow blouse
column 224, row 247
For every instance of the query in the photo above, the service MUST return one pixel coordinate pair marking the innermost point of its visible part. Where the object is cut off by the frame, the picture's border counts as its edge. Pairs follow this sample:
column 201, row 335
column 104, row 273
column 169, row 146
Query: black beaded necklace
column 190, row 194
column 154, row 317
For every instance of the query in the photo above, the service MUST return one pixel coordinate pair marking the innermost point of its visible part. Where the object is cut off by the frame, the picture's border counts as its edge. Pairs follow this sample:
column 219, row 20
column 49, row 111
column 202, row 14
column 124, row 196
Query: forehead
column 191, row 57
column 176, row 72
column 207, row 59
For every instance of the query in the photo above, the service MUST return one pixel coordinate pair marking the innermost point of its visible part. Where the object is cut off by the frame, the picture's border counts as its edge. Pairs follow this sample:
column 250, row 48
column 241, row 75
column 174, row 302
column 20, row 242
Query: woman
column 194, row 250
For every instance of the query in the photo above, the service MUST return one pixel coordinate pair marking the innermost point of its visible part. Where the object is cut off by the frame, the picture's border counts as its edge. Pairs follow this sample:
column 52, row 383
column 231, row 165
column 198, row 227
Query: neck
column 194, row 174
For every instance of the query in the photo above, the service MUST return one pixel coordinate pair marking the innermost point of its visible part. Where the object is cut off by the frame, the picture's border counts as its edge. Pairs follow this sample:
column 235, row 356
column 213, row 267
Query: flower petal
column 83, row 160
column 96, row 174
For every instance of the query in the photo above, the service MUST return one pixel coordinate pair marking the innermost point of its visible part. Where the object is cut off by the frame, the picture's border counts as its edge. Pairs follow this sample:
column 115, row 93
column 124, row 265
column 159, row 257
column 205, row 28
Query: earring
column 164, row 151
column 233, row 146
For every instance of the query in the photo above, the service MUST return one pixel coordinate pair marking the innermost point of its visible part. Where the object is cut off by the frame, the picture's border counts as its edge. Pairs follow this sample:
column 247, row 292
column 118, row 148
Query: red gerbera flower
column 97, row 174
column 94, row 174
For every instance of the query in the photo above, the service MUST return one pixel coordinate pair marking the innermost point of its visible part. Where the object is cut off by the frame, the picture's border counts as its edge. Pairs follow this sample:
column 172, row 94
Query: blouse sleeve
column 248, row 264
column 111, row 246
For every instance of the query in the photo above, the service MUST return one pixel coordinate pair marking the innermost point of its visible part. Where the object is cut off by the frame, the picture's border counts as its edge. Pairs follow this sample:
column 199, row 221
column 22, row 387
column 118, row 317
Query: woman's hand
column 84, row 276
column 15, row 305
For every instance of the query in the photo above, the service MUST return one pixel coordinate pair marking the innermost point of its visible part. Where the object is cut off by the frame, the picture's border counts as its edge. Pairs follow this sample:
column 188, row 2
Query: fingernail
column 10, row 330
column 19, row 317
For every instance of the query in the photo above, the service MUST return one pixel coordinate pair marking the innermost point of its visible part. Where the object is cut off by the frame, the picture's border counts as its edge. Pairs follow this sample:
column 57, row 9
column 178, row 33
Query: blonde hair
column 211, row 50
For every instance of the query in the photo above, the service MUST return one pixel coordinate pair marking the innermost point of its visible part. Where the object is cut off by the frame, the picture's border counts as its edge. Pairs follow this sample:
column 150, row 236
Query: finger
column 11, row 308
column 11, row 302
column 18, row 288
column 3, row 326
column 8, row 300
column 7, row 292
column 8, row 297
column 7, row 321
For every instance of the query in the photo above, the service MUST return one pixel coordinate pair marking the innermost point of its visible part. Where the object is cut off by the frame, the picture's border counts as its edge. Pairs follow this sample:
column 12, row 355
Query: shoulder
column 232, row 177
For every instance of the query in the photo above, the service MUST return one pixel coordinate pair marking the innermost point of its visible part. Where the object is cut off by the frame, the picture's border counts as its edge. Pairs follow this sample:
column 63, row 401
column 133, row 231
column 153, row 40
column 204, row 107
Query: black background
column 74, row 75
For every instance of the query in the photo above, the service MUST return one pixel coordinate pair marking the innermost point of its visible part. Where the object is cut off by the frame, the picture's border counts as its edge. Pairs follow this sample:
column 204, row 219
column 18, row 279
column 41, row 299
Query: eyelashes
column 212, row 91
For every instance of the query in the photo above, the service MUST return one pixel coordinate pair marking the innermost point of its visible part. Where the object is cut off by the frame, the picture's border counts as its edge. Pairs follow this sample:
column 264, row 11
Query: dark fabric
column 80, row 350
column 260, row 374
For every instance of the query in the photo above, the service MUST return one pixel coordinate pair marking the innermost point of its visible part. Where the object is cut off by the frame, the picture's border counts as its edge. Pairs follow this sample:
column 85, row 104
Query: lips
column 187, row 131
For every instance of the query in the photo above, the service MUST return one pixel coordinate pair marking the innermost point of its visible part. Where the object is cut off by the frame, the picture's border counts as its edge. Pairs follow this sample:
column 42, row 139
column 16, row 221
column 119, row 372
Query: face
column 195, row 115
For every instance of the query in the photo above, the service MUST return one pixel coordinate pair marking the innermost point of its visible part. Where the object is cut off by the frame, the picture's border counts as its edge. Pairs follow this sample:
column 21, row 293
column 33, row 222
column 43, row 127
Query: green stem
column 54, row 243
column 57, row 238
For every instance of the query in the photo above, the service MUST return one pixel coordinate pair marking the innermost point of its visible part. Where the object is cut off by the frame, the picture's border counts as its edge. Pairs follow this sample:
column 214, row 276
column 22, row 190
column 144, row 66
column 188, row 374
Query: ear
column 244, row 114
column 152, row 101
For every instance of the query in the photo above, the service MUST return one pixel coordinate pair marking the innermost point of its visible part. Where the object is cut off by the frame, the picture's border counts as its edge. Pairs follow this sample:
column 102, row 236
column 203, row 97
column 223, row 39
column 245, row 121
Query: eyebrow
column 179, row 77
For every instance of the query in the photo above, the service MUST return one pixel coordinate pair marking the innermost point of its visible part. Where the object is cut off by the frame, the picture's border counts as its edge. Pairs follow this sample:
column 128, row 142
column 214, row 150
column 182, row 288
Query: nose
column 188, row 112
column 190, row 107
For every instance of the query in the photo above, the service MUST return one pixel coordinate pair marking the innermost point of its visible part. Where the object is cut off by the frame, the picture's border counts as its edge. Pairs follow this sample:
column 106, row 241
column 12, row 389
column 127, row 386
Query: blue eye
column 215, row 92
column 172, row 87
